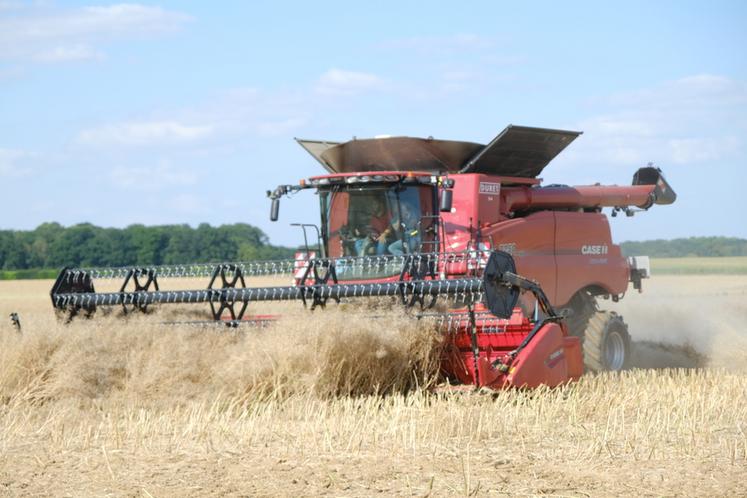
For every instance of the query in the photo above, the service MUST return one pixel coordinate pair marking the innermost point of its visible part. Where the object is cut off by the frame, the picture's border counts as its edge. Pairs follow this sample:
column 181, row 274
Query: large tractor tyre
column 606, row 343
column 582, row 307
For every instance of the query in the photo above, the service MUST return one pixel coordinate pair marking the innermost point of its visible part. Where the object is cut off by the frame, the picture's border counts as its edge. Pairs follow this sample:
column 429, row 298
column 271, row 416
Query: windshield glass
column 378, row 220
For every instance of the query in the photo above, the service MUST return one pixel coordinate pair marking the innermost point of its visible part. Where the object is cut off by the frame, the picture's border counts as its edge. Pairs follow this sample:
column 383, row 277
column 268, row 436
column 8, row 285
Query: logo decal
column 595, row 250
column 490, row 188
column 554, row 358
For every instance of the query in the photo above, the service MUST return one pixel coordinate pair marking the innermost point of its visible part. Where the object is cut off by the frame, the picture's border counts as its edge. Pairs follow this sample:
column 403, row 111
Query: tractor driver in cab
column 374, row 237
column 408, row 225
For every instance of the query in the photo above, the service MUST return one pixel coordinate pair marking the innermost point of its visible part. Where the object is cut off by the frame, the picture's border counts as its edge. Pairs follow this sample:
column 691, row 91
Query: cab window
column 377, row 221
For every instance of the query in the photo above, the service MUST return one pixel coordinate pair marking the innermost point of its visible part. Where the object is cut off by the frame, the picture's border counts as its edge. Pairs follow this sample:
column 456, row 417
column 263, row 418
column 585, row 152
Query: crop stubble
column 326, row 402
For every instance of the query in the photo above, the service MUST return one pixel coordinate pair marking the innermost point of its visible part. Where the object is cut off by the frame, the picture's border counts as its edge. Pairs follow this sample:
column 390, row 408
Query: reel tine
column 421, row 277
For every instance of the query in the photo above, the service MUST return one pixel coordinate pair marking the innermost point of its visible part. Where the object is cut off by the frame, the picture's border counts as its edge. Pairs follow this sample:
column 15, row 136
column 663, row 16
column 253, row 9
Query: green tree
column 51, row 245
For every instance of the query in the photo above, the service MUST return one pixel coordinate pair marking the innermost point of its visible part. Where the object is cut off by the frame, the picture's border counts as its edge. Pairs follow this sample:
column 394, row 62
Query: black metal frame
column 15, row 321
column 134, row 276
column 72, row 281
column 328, row 271
column 498, row 287
column 227, row 282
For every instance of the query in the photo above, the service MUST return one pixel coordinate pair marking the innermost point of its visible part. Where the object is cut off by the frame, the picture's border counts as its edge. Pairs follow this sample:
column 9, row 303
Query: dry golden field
column 328, row 403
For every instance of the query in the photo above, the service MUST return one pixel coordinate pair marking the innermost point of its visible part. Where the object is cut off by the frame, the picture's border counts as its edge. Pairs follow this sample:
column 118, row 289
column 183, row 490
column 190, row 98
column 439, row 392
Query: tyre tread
column 594, row 338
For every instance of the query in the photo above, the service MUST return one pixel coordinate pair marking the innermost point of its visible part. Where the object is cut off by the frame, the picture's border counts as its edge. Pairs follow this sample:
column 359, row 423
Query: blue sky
column 184, row 112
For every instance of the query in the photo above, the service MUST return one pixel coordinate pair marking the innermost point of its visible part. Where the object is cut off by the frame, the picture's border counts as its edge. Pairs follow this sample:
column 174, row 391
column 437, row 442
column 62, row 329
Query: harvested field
column 736, row 265
column 337, row 405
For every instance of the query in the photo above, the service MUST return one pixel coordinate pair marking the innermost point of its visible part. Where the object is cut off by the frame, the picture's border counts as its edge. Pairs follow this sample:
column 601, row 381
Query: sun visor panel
column 399, row 154
column 316, row 148
column 520, row 151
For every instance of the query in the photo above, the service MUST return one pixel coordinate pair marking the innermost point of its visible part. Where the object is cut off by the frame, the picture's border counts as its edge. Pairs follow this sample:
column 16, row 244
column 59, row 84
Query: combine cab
column 421, row 220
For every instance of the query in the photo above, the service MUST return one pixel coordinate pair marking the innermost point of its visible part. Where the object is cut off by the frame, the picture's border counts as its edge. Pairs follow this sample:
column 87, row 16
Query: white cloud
column 54, row 36
column 187, row 204
column 339, row 82
column 10, row 5
column 696, row 119
column 69, row 53
column 282, row 127
column 242, row 111
column 145, row 133
column 688, row 150
column 12, row 162
column 620, row 124
column 696, row 90
column 444, row 67
column 160, row 177
column 225, row 119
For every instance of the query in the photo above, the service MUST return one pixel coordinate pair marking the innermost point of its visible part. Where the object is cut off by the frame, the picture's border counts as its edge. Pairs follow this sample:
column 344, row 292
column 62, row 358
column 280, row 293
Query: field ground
column 133, row 408
column 695, row 266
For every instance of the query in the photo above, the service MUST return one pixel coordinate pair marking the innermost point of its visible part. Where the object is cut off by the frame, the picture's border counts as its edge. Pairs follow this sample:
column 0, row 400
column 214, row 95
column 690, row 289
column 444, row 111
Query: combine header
column 421, row 220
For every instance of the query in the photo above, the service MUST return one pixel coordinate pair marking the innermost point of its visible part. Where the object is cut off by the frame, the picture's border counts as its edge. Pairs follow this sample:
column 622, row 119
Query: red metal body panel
column 550, row 358
column 586, row 257
column 543, row 361
column 562, row 250
column 569, row 197
column 530, row 240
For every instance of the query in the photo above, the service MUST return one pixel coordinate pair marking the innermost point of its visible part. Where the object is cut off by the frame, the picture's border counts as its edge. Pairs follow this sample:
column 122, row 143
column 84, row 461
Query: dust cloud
column 688, row 321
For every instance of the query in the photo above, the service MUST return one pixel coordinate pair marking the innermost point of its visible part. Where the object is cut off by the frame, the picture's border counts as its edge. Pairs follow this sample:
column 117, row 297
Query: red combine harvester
column 419, row 219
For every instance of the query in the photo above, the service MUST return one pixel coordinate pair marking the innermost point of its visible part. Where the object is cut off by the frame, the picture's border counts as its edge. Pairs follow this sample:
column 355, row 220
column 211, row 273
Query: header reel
column 417, row 280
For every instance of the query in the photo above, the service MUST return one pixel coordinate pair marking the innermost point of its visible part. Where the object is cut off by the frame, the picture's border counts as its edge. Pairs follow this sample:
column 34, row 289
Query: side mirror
column 446, row 200
column 275, row 210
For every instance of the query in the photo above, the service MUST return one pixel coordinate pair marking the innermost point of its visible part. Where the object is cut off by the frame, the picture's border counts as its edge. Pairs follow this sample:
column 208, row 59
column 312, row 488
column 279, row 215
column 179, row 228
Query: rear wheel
column 582, row 307
column 604, row 334
column 606, row 342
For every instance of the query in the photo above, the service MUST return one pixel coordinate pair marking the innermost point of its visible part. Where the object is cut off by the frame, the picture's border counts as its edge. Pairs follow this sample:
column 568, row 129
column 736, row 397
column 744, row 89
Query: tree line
column 51, row 245
column 693, row 246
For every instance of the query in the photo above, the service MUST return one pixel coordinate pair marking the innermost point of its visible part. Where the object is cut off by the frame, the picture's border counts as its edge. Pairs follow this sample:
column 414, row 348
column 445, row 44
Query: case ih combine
column 424, row 220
